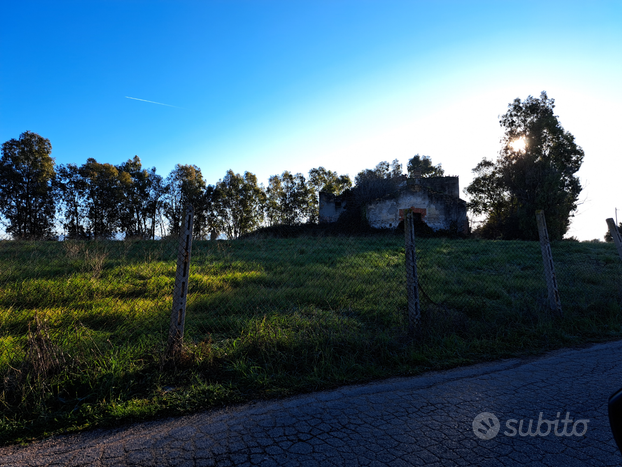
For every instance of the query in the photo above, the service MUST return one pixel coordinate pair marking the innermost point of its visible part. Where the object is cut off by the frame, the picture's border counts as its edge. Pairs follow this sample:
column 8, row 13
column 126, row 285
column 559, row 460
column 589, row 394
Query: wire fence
column 315, row 293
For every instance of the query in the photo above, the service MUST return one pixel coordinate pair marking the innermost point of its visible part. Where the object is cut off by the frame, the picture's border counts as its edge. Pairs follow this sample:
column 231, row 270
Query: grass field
column 83, row 326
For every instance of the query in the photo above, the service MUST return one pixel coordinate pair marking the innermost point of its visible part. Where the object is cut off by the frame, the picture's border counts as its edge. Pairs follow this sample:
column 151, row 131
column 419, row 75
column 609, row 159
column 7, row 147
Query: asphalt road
column 549, row 411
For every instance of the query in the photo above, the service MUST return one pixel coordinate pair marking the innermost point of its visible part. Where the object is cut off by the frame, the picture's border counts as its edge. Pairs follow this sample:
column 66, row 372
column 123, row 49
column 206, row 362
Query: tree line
column 536, row 169
column 101, row 200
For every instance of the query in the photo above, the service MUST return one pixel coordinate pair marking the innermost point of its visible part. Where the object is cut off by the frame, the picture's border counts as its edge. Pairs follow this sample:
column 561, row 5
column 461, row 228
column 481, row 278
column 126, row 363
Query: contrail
column 151, row 102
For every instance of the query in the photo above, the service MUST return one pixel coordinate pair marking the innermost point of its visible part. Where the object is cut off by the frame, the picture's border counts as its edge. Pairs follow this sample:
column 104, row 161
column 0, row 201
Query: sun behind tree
column 536, row 174
column 519, row 144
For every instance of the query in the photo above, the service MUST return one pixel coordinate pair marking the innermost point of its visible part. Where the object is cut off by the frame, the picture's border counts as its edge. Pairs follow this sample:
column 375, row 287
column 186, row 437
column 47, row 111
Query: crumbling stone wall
column 436, row 200
column 437, row 210
column 331, row 207
column 445, row 185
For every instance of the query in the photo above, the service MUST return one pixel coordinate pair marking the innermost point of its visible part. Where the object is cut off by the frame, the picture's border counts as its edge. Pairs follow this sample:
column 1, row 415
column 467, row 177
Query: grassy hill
column 83, row 326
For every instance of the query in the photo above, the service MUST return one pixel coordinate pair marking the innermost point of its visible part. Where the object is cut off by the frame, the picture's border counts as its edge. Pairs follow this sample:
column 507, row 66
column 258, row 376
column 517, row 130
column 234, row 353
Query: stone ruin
column 434, row 200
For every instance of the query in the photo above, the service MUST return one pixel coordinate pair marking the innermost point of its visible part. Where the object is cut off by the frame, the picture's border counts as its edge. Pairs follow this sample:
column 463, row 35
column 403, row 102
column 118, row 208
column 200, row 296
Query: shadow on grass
column 275, row 317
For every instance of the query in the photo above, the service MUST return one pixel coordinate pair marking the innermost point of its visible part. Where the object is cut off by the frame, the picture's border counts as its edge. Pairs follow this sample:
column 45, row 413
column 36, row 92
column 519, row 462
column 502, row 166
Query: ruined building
column 435, row 201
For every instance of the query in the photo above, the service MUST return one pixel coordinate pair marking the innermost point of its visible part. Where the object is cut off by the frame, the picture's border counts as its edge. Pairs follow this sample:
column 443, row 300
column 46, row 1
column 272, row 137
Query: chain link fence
column 270, row 300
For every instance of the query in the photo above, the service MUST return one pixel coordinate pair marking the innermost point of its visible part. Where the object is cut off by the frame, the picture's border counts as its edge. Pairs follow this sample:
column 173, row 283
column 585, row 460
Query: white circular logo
column 486, row 425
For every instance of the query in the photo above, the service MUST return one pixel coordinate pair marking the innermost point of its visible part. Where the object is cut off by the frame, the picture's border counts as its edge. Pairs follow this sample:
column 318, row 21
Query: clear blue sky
column 266, row 86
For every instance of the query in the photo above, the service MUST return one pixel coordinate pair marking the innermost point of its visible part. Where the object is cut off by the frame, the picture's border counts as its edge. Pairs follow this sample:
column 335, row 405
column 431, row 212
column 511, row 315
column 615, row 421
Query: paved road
column 425, row 420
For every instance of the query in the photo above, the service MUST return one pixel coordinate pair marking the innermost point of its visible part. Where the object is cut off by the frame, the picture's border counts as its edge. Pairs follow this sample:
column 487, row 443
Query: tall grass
column 83, row 326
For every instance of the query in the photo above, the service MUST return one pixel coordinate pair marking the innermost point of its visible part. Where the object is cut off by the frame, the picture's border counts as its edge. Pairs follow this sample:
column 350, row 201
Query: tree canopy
column 238, row 204
column 535, row 170
column 184, row 187
column 27, row 176
column 327, row 180
column 71, row 190
column 142, row 193
column 290, row 200
column 103, row 197
column 422, row 165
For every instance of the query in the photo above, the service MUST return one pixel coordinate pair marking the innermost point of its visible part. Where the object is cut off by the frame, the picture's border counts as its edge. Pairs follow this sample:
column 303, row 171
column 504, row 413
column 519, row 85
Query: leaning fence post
column 615, row 233
column 180, row 292
column 549, row 267
column 412, row 281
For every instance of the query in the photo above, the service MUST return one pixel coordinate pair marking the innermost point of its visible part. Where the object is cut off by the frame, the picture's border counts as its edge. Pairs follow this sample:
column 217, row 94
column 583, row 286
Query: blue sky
column 266, row 86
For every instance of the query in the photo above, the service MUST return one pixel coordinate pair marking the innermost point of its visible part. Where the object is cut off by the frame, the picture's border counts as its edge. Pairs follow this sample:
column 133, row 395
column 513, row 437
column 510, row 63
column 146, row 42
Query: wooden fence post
column 615, row 233
column 549, row 267
column 412, row 281
column 180, row 292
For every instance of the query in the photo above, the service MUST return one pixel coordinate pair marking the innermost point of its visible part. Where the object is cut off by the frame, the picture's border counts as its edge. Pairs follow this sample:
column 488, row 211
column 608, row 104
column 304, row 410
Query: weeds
column 30, row 379
column 94, row 262
column 74, row 249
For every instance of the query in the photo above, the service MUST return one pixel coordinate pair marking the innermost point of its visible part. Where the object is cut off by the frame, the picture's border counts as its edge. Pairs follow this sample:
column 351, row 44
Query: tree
column 211, row 204
column 155, row 202
column 185, row 186
column 141, row 196
column 71, row 189
column 423, row 166
column 103, row 195
column 327, row 180
column 395, row 169
column 382, row 171
column 238, row 203
column 27, row 196
column 272, row 206
column 535, row 170
column 289, row 199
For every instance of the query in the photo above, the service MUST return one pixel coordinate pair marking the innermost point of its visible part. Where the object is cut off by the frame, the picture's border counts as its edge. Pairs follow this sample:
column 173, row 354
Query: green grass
column 83, row 326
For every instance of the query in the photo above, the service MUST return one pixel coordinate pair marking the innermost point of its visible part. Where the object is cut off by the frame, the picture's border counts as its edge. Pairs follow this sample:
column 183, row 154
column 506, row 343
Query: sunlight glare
column 518, row 145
